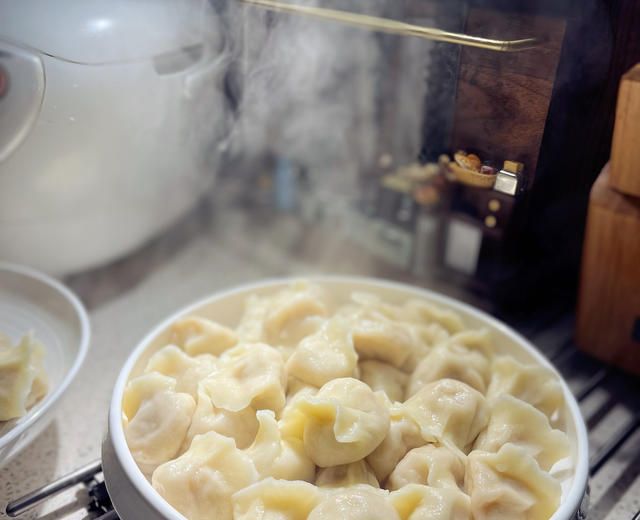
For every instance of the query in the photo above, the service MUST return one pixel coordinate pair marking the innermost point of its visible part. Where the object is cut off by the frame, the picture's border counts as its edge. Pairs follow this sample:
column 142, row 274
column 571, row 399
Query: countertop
column 212, row 248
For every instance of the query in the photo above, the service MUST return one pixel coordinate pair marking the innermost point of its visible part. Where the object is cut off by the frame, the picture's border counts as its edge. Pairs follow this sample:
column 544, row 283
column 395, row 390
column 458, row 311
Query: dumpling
column 272, row 499
column 382, row 376
column 536, row 385
column 198, row 335
column 449, row 412
column 23, row 380
column 347, row 475
column 156, row 419
column 343, row 423
column 509, row 485
column 425, row 337
column 295, row 386
column 251, row 326
column 472, row 341
column 248, row 375
column 186, row 370
column 418, row 502
column 404, row 435
column 355, row 503
column 451, row 362
column 242, row 425
column 381, row 339
column 278, row 458
column 373, row 304
column 295, row 303
column 200, row 482
column 431, row 465
column 424, row 312
column 519, row 423
column 328, row 354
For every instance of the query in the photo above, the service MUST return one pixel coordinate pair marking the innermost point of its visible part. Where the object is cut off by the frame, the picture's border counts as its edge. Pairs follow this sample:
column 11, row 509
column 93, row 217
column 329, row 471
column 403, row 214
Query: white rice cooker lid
column 106, row 31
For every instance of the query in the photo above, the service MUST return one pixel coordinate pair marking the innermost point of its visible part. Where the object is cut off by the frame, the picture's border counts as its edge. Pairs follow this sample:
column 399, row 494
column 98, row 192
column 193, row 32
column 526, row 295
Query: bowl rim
column 85, row 334
column 566, row 510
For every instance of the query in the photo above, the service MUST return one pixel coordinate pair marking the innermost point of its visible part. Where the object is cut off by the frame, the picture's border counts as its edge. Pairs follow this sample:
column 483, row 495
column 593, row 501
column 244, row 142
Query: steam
column 311, row 91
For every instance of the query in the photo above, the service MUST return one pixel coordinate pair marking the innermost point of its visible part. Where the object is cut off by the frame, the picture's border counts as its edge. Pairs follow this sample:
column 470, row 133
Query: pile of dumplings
column 360, row 409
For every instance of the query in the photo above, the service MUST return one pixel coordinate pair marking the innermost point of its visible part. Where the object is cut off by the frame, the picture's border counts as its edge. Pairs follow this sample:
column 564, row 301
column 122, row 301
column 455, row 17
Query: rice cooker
column 112, row 118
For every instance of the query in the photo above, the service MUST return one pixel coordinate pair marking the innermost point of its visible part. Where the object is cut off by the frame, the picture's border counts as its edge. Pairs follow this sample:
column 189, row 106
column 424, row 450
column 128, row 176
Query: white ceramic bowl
column 30, row 300
column 134, row 497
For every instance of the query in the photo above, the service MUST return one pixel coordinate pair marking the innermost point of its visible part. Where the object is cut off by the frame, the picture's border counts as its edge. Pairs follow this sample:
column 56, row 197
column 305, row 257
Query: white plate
column 30, row 300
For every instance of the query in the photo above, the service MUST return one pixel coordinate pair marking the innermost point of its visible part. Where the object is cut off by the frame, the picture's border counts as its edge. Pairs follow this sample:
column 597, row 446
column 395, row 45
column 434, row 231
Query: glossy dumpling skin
column 274, row 499
column 325, row 355
column 343, row 422
column 299, row 301
column 514, row 421
column 404, row 435
column 156, row 419
column 431, row 465
column 536, row 385
column 23, row 380
column 418, row 502
column 382, row 376
column 188, row 371
column 375, row 337
column 449, row 412
column 355, row 503
column 347, row 475
column 197, row 335
column 248, row 375
column 241, row 425
column 420, row 311
column 200, row 482
column 510, row 485
column 278, row 457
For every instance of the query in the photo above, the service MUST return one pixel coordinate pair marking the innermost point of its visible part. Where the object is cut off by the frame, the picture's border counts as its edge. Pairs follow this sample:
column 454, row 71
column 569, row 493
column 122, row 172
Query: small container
column 509, row 179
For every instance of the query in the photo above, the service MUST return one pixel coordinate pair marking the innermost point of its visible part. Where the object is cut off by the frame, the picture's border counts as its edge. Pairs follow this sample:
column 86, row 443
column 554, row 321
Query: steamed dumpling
column 23, row 380
column 417, row 502
column 382, row 376
column 157, row 419
column 509, row 485
column 186, row 370
column 200, row 482
column 514, row 421
column 536, row 385
column 197, row 335
column 404, row 435
column 431, row 465
column 272, row 499
column 381, row 339
column 347, row 475
column 343, row 423
column 355, row 503
column 424, row 312
column 449, row 412
column 249, row 375
column 276, row 457
column 242, row 425
column 328, row 354
column 293, row 304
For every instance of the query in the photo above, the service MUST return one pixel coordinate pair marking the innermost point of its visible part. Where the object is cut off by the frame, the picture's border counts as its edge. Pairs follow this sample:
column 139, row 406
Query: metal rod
column 109, row 515
column 20, row 505
column 396, row 27
column 593, row 383
column 603, row 454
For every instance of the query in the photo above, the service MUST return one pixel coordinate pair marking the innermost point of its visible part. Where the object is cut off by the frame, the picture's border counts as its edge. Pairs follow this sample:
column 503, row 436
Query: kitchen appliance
column 112, row 119
column 608, row 321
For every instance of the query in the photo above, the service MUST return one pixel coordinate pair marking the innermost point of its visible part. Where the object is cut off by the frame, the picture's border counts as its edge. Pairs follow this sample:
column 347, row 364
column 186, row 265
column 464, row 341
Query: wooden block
column 608, row 320
column 625, row 148
column 503, row 98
